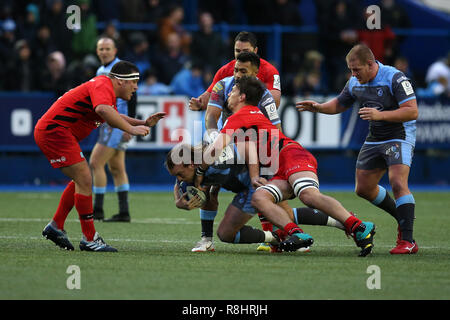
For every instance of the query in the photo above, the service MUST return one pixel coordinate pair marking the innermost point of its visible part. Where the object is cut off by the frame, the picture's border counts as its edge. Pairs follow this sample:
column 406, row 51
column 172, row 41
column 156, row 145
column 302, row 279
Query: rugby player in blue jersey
column 385, row 98
column 247, row 64
column 233, row 176
column 110, row 147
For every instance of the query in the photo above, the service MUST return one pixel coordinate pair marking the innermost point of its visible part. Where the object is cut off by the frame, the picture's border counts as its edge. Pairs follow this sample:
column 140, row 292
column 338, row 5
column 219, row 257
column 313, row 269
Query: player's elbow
column 101, row 110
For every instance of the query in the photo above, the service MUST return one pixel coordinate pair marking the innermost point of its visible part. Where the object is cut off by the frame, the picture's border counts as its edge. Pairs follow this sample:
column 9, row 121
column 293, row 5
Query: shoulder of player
column 266, row 98
column 101, row 80
column 225, row 69
column 266, row 66
column 392, row 74
column 222, row 84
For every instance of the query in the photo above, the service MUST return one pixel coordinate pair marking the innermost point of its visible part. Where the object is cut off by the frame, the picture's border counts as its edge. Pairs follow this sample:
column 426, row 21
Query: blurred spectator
column 55, row 77
column 394, row 16
column 286, row 12
column 27, row 29
column 107, row 10
column 170, row 59
column 85, row 39
column 42, row 45
column 338, row 36
column 112, row 32
column 207, row 46
column 154, row 11
column 151, row 85
column 7, row 39
column 21, row 72
column 55, row 17
column 380, row 41
column 259, row 12
column 189, row 81
column 402, row 64
column 172, row 23
column 140, row 51
column 309, row 80
column 228, row 11
column 133, row 11
column 438, row 79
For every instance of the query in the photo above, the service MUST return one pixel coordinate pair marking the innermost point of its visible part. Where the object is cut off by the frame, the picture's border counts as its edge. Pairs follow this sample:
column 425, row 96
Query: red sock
column 85, row 213
column 265, row 224
column 65, row 205
column 351, row 224
column 291, row 228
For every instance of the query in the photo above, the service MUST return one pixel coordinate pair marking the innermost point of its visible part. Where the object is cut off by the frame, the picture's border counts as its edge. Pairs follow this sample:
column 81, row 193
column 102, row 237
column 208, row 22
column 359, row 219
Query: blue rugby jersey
column 219, row 99
column 386, row 91
column 122, row 105
column 232, row 177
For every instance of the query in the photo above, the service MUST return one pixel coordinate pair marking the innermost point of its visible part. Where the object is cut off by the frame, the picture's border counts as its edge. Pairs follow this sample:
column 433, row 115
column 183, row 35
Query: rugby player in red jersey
column 68, row 121
column 295, row 170
column 267, row 73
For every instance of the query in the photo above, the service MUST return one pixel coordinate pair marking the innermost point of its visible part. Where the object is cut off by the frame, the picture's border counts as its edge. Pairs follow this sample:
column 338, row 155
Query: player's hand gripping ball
column 191, row 191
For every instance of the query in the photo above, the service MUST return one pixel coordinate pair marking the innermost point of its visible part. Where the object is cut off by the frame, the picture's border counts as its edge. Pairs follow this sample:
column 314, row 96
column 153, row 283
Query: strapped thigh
column 274, row 191
column 304, row 183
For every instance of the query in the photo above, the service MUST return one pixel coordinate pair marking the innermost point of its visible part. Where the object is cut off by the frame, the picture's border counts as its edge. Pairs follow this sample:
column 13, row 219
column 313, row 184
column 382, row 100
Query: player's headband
column 130, row 76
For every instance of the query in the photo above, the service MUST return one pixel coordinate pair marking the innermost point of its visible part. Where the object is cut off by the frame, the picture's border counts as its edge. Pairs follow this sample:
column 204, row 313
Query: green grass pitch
column 155, row 262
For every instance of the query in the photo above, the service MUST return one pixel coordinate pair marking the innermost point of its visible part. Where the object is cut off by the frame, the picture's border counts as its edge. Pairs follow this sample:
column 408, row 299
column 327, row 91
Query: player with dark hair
column 233, row 176
column 110, row 147
column 295, row 170
column 68, row 121
column 267, row 73
column 385, row 98
column 247, row 64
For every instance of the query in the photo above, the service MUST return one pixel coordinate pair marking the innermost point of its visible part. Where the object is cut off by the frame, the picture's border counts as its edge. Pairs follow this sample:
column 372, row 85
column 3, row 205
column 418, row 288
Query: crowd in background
column 38, row 52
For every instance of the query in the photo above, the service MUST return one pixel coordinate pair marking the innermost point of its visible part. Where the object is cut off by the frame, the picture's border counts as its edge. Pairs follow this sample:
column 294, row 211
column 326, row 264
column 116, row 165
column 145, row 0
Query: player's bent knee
column 225, row 236
column 361, row 192
column 310, row 197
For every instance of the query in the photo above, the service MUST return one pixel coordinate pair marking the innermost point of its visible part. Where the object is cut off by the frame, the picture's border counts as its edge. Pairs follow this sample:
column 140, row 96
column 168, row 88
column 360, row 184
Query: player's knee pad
column 274, row 191
column 304, row 183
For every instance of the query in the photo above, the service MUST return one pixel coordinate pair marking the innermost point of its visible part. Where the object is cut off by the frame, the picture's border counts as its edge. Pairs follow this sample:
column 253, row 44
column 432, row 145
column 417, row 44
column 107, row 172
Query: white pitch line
column 322, row 244
column 172, row 221
column 118, row 240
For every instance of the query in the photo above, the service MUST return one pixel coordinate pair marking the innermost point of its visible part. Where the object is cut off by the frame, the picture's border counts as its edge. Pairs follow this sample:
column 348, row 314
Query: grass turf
column 154, row 259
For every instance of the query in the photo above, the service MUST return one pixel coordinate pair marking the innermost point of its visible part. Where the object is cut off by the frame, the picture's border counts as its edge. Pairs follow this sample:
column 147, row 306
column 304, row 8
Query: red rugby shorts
column 59, row 146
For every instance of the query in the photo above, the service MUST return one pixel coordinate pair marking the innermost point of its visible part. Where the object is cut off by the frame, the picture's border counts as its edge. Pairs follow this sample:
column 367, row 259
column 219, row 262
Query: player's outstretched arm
column 149, row 122
column 115, row 120
column 200, row 103
column 329, row 107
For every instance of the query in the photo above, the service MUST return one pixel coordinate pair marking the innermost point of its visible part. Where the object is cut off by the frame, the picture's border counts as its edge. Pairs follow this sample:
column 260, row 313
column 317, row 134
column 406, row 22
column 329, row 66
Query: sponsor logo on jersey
column 271, row 110
column 276, row 82
column 407, row 87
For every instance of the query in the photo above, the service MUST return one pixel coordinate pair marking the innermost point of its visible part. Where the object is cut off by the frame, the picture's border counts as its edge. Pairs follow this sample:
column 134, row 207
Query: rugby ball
column 191, row 191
